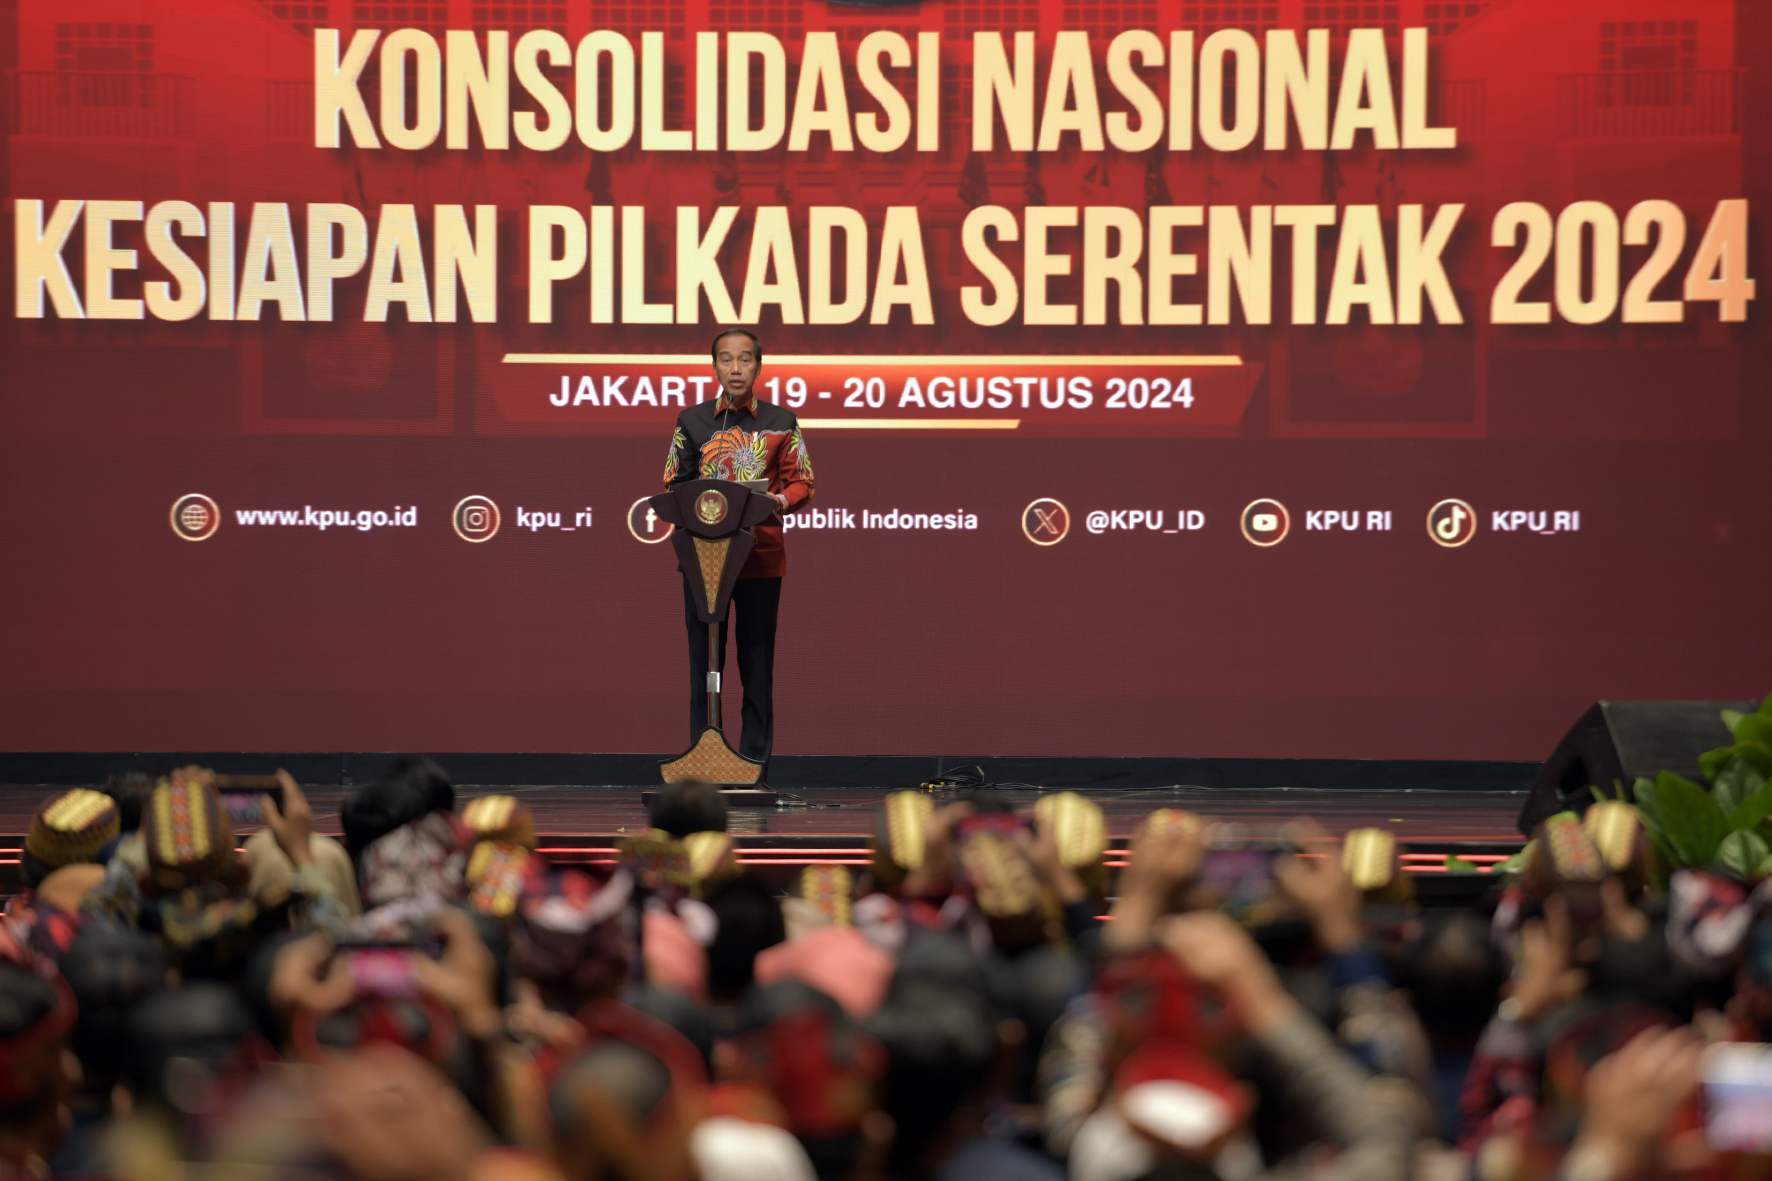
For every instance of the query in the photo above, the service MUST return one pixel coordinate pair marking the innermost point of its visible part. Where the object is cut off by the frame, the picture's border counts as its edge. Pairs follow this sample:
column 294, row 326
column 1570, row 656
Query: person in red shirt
column 735, row 437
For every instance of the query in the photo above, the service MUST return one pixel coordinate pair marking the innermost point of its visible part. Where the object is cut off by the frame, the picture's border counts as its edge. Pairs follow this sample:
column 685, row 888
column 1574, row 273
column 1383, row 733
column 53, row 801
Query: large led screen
column 1179, row 378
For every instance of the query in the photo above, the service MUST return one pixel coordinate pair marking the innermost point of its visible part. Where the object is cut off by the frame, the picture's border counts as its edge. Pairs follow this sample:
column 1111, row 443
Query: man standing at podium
column 735, row 437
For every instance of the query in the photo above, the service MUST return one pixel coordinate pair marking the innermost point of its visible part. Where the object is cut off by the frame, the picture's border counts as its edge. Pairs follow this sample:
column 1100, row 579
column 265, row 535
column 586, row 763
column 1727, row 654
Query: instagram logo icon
column 475, row 518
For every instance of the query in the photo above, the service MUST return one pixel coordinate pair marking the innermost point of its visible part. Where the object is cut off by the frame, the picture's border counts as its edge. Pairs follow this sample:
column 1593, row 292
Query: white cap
column 727, row 1148
column 1176, row 1113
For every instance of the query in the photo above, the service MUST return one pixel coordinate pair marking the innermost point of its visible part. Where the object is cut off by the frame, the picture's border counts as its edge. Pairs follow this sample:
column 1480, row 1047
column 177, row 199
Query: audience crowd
column 431, row 999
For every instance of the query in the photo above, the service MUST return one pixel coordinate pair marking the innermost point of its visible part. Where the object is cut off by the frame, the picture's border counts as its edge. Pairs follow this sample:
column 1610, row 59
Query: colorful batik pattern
column 797, row 454
column 678, row 443
column 737, row 454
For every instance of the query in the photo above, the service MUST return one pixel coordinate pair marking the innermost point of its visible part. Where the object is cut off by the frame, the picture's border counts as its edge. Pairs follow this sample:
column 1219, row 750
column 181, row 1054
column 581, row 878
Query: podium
column 712, row 536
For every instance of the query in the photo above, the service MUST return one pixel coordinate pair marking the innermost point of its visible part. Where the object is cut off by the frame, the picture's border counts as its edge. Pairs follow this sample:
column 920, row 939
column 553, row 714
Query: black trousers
column 756, row 601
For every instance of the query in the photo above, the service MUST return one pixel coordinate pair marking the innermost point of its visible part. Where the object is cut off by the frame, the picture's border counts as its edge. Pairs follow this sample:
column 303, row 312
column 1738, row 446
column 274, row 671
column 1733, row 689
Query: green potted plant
column 1721, row 824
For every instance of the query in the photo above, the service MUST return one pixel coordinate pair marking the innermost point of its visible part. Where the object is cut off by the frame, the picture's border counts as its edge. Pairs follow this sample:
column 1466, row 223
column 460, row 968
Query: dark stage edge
column 799, row 772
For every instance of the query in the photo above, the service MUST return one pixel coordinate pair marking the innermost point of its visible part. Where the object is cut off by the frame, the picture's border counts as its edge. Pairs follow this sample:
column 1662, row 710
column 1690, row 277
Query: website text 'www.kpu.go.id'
column 308, row 517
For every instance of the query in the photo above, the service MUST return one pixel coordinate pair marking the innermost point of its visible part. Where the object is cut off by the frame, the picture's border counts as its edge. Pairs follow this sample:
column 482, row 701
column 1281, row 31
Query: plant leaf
column 1758, row 756
column 1457, row 864
column 1756, row 803
column 1734, row 782
column 1649, row 811
column 1732, row 718
column 1694, row 822
column 1517, row 862
column 1599, row 796
column 1742, row 853
column 1766, row 705
column 1755, row 728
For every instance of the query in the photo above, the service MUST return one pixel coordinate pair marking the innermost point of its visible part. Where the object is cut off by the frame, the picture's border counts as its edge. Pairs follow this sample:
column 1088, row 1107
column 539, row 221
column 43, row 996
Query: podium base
column 711, row 760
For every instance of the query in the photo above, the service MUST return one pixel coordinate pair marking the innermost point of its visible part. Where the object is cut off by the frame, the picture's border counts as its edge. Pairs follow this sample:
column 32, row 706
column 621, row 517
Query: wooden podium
column 713, row 537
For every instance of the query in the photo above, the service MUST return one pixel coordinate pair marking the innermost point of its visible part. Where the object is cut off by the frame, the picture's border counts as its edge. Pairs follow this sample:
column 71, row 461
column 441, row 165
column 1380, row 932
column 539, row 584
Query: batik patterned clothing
column 718, row 441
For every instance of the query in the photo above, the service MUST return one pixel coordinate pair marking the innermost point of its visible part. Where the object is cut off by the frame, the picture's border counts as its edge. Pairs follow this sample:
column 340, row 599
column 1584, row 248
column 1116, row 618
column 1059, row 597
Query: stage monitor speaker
column 1616, row 741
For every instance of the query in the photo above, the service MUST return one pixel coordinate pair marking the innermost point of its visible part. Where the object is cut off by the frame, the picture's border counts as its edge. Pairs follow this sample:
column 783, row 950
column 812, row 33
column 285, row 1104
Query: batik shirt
column 718, row 441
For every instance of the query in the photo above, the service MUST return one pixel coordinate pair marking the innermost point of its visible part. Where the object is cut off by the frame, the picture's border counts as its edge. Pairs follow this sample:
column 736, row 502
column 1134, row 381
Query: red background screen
column 1627, row 460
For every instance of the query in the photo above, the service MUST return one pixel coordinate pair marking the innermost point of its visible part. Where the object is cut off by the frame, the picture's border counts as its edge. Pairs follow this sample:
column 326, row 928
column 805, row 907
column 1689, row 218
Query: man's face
column 736, row 366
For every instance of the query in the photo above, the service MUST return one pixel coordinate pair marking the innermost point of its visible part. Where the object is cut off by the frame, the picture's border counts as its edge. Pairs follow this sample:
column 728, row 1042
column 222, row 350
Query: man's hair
column 26, row 1001
column 110, row 971
column 130, row 790
column 633, row 1076
column 941, row 1041
column 683, row 808
column 202, row 1021
column 756, row 345
column 750, row 922
column 408, row 789
column 425, row 774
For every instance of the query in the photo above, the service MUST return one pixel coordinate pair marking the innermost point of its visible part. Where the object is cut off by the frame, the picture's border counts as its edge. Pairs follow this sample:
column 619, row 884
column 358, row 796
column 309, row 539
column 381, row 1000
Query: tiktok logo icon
column 644, row 522
column 1451, row 523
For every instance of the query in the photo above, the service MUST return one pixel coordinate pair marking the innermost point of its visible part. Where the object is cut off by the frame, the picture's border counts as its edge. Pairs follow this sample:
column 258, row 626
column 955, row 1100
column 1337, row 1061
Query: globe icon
column 195, row 517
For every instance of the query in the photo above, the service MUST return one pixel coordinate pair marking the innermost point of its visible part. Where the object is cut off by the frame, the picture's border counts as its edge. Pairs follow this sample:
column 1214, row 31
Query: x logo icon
column 1045, row 521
